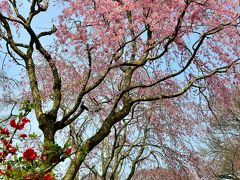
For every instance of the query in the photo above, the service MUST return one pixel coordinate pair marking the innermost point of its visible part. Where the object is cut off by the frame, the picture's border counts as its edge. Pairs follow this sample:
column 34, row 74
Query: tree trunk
column 50, row 149
column 46, row 124
column 75, row 164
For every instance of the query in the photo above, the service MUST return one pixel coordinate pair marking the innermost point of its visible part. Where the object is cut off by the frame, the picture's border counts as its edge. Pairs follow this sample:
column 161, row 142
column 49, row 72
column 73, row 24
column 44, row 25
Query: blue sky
column 42, row 22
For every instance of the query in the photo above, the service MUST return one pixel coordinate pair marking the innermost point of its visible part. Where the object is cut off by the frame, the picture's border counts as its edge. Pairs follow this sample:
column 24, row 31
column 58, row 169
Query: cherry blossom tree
column 111, row 56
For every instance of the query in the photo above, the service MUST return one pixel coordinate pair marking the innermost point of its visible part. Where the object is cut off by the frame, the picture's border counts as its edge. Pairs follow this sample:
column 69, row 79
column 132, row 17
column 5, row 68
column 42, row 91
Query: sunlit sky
column 42, row 22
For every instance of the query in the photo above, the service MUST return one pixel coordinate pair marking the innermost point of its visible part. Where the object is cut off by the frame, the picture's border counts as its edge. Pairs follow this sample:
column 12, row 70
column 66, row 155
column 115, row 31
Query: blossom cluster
column 25, row 164
column 19, row 125
column 7, row 147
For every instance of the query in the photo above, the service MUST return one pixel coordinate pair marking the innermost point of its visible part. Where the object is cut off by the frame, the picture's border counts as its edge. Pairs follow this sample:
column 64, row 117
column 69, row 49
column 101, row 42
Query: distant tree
column 162, row 174
column 224, row 136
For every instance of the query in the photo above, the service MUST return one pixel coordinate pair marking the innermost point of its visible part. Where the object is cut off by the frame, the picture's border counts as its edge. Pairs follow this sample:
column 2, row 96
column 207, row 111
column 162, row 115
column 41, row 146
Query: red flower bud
column 44, row 157
column 9, row 167
column 68, row 151
column 5, row 131
column 13, row 151
column 28, row 176
column 46, row 147
column 23, row 135
column 48, row 177
column 4, row 141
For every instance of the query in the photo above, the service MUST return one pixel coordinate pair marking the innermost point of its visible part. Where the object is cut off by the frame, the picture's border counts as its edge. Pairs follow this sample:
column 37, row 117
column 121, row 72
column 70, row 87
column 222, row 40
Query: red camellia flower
column 68, row 151
column 13, row 150
column 25, row 120
column 4, row 141
column 5, row 131
column 23, row 135
column 13, row 123
column 20, row 126
column 48, row 177
column 29, row 154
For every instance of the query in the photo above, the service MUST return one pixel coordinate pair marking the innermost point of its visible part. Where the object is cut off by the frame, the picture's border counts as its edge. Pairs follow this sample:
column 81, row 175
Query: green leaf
column 33, row 136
